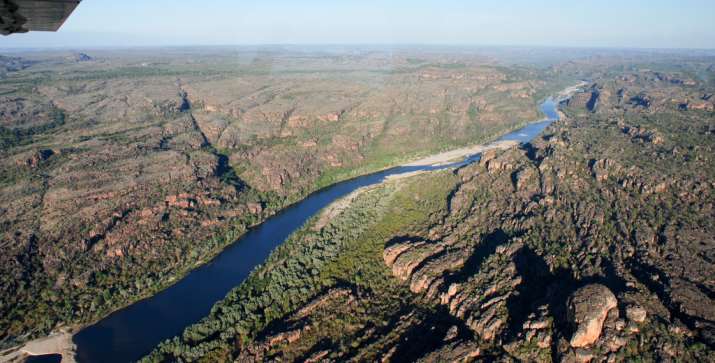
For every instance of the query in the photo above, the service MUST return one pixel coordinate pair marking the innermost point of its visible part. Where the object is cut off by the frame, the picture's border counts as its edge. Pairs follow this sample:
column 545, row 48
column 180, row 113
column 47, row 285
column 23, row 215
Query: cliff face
column 592, row 243
column 608, row 200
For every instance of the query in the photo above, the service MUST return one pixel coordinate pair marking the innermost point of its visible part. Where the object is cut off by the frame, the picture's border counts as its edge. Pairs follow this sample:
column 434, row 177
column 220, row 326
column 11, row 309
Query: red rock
column 588, row 309
column 254, row 208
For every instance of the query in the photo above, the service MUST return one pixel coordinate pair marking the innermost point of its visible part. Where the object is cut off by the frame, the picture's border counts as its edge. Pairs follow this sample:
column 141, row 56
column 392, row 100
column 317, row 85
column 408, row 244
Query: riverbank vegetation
column 490, row 261
column 344, row 254
column 121, row 172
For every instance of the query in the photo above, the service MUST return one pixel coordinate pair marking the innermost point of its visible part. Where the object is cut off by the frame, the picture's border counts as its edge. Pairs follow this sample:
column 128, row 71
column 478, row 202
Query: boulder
column 588, row 308
column 636, row 313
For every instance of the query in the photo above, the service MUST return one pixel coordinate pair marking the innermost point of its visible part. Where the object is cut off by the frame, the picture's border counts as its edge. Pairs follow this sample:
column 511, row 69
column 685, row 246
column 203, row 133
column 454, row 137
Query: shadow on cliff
column 429, row 335
column 658, row 282
column 542, row 287
column 488, row 247
column 425, row 330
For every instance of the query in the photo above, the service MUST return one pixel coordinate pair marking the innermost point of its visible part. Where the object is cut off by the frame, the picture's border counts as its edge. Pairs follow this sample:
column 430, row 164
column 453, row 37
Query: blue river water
column 130, row 333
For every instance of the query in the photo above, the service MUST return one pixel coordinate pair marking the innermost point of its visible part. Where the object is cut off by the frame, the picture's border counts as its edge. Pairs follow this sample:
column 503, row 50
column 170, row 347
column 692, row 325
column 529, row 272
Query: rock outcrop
column 531, row 254
column 587, row 99
column 588, row 308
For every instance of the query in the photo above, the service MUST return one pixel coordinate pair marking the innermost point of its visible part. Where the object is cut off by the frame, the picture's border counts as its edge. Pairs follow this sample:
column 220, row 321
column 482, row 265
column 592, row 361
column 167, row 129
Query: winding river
column 128, row 334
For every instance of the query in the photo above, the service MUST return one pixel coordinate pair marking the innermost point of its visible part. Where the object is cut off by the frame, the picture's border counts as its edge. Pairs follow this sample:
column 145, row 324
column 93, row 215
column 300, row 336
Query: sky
column 573, row 23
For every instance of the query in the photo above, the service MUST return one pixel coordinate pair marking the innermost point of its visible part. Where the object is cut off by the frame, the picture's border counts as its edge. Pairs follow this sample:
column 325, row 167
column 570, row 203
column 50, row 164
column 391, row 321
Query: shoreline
column 76, row 328
column 431, row 160
column 442, row 158
column 68, row 350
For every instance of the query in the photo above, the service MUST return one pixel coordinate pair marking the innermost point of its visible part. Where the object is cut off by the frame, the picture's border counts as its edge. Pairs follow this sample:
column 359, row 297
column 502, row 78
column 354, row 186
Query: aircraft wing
column 21, row 16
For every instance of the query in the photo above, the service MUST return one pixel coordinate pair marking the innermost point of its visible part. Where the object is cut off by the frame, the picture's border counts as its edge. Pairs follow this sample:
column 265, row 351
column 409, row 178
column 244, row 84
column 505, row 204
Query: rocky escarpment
column 593, row 243
column 587, row 99
column 578, row 246
column 118, row 175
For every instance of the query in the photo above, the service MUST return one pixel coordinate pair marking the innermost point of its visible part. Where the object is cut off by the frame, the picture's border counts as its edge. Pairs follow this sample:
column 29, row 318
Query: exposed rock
column 318, row 356
column 640, row 134
column 406, row 263
column 636, row 313
column 640, row 100
column 588, row 99
column 455, row 352
column 615, row 343
column 392, row 252
column 487, row 156
column 36, row 158
column 588, row 309
column 183, row 201
column 451, row 333
column 254, row 208
column 603, row 168
column 583, row 356
column 146, row 177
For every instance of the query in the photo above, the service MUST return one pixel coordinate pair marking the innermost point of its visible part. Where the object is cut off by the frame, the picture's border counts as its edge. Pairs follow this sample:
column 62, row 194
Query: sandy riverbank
column 446, row 157
column 57, row 343
column 454, row 155
column 569, row 91
column 337, row 207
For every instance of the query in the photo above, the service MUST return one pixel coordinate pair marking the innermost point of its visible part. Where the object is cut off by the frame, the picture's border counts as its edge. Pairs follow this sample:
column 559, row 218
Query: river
column 130, row 333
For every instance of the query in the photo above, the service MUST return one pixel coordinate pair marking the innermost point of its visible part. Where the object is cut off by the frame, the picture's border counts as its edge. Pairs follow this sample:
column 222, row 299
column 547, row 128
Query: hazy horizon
column 627, row 25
